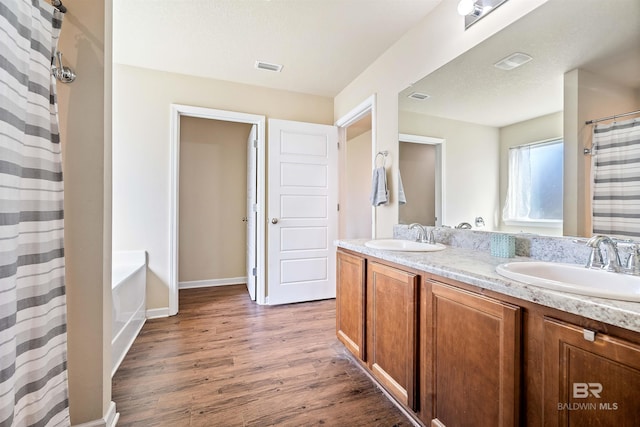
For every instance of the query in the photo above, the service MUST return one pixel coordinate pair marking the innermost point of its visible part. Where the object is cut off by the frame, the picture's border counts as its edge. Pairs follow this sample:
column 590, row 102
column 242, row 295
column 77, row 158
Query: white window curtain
column 616, row 179
column 518, row 202
column 33, row 327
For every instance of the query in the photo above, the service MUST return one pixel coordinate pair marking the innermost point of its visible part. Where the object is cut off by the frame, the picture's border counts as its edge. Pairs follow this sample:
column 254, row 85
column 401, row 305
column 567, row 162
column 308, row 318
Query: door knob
column 274, row 220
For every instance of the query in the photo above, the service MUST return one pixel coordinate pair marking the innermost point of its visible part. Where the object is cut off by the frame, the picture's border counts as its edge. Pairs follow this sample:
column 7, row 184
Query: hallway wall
column 213, row 199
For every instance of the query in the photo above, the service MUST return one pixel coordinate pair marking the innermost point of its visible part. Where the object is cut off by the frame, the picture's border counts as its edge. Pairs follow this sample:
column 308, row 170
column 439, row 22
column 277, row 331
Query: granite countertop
column 479, row 268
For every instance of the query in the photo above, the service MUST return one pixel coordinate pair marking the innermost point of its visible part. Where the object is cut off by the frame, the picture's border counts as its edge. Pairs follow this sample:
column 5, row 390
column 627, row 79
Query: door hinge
column 254, row 207
column 338, row 206
column 254, row 272
column 255, row 143
column 338, row 144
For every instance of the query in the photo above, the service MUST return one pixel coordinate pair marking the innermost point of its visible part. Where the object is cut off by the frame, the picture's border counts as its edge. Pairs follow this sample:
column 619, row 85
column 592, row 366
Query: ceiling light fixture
column 261, row 65
column 513, row 61
column 470, row 7
column 474, row 10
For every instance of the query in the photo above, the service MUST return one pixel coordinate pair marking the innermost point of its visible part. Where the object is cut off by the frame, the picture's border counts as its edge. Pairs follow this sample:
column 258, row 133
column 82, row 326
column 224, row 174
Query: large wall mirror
column 585, row 64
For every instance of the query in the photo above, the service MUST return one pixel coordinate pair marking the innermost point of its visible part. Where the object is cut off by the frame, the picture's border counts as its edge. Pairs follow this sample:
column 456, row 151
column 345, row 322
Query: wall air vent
column 419, row 96
column 513, row 61
column 261, row 65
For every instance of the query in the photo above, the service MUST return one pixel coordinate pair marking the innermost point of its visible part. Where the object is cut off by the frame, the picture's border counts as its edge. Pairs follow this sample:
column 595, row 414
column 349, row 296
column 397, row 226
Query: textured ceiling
column 602, row 37
column 323, row 44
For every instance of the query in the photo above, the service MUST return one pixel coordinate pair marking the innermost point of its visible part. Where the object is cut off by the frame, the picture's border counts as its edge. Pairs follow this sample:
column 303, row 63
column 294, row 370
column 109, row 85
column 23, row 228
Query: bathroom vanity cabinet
column 379, row 308
column 453, row 354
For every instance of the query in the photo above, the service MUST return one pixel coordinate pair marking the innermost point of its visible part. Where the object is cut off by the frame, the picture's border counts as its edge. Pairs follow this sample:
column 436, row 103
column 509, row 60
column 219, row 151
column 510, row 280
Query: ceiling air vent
column 417, row 95
column 513, row 61
column 261, row 65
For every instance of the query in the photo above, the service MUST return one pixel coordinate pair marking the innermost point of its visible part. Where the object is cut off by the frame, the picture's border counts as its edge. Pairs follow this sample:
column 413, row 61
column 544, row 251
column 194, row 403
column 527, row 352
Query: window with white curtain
column 534, row 193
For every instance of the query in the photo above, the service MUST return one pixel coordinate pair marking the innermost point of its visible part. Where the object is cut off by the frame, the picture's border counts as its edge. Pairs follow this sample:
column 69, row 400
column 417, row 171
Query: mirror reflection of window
column 535, row 185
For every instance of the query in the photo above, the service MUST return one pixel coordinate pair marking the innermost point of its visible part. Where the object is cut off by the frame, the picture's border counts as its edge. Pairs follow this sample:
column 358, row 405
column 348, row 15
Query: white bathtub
column 128, row 295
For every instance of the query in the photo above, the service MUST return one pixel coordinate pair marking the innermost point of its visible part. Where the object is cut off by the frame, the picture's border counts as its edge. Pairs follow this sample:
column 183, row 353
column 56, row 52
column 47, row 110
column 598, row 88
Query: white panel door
column 303, row 211
column 252, row 199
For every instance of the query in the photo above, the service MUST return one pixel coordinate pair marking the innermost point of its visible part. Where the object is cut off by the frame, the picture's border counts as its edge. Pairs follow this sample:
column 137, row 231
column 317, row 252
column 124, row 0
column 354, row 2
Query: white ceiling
column 323, row 44
column 599, row 36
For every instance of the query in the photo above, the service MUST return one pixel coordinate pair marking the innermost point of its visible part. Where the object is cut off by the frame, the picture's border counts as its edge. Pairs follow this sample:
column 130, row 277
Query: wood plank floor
column 226, row 361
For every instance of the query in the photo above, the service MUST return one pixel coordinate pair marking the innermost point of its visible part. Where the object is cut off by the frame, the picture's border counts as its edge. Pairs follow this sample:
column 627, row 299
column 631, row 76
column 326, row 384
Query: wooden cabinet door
column 350, row 299
column 589, row 383
column 473, row 358
column 392, row 329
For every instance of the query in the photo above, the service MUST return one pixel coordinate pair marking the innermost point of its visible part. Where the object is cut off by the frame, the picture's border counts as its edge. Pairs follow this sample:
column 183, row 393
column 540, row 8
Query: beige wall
column 355, row 207
column 539, row 129
column 471, row 167
column 85, row 124
column 213, row 199
column 586, row 96
column 141, row 100
column 140, row 134
column 436, row 40
column 417, row 164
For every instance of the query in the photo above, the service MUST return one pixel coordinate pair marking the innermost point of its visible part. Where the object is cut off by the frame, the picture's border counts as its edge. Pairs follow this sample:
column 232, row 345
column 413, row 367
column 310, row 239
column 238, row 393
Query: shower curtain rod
column 58, row 5
column 590, row 122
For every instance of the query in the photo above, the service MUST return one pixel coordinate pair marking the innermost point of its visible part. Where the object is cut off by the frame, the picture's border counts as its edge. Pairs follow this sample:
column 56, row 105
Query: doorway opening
column 212, row 202
column 421, row 166
column 357, row 133
column 255, row 191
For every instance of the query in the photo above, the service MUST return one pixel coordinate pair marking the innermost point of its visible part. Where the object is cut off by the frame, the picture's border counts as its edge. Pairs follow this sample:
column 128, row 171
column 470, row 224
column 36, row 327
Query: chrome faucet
column 609, row 260
column 424, row 235
column 633, row 262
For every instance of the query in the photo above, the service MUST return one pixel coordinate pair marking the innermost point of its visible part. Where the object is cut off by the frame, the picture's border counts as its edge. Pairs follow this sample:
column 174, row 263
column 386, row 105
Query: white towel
column 379, row 193
column 402, row 199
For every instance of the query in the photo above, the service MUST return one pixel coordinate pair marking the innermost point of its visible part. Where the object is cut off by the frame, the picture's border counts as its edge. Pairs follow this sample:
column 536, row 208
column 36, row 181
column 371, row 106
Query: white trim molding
column 157, row 313
column 177, row 111
column 213, row 282
column 110, row 419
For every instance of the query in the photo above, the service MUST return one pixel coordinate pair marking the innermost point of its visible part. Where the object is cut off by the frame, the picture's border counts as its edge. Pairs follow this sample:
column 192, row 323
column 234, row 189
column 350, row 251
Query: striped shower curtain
column 616, row 179
column 33, row 331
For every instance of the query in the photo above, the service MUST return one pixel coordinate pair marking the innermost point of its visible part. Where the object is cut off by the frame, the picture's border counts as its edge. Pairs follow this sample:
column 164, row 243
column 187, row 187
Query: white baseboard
column 156, row 313
column 212, row 282
column 110, row 419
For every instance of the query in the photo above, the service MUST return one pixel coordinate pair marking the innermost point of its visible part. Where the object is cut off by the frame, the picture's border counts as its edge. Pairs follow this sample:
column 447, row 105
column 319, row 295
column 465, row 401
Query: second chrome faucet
column 425, row 235
column 606, row 256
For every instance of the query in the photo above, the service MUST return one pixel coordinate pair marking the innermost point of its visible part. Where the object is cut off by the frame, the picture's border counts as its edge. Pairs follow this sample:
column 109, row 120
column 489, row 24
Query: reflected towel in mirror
column 379, row 194
column 402, row 199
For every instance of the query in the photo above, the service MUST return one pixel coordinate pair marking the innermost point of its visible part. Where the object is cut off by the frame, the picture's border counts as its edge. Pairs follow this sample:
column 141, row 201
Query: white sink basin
column 574, row 278
column 403, row 245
